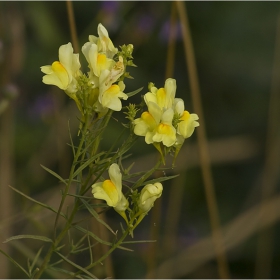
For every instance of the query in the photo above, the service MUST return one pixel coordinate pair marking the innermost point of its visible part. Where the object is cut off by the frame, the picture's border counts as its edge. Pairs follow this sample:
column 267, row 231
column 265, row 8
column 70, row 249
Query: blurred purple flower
column 145, row 24
column 42, row 108
column 165, row 31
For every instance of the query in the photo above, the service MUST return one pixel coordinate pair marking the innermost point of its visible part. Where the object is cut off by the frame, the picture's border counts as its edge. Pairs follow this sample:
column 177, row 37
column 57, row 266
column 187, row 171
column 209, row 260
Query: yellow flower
column 110, row 95
column 148, row 122
column 188, row 122
column 97, row 61
column 63, row 73
column 165, row 132
column 148, row 196
column 111, row 191
column 103, row 42
column 164, row 97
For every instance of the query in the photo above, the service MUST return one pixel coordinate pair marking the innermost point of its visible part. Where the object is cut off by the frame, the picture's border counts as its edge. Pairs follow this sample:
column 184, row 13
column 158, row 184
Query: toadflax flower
column 165, row 132
column 146, row 125
column 188, row 122
column 103, row 42
column 111, row 191
column 147, row 199
column 63, row 73
column 164, row 97
column 148, row 196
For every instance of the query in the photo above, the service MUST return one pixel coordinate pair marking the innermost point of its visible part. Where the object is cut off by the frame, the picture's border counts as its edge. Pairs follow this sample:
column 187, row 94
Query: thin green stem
column 147, row 175
column 114, row 247
column 69, row 221
column 76, row 157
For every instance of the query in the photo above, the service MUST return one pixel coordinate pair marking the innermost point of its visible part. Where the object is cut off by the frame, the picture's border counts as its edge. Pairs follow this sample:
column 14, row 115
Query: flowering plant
column 98, row 94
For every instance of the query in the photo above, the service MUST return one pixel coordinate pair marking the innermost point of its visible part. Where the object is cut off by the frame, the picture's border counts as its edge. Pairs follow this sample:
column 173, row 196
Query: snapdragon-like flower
column 103, row 42
column 165, row 132
column 146, row 125
column 148, row 196
column 188, row 122
column 111, row 191
column 97, row 61
column 63, row 73
column 110, row 94
column 164, row 97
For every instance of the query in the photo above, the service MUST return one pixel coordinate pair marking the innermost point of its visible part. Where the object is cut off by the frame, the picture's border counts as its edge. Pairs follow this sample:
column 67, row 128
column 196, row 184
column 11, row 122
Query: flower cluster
column 166, row 121
column 110, row 190
column 102, row 88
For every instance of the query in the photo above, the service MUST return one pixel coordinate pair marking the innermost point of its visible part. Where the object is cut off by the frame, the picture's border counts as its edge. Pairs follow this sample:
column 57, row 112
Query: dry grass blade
column 203, row 145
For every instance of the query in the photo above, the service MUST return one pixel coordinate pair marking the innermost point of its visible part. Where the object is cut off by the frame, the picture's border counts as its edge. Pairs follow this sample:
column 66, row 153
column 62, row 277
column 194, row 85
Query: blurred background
column 222, row 225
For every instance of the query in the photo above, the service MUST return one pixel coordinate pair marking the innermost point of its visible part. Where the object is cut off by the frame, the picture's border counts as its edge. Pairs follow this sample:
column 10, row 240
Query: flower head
column 188, row 122
column 103, row 42
column 164, row 97
column 63, row 73
column 111, row 191
column 146, row 125
column 165, row 132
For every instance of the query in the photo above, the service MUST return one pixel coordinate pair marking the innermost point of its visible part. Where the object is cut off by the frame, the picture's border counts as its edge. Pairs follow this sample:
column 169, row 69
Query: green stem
column 69, row 221
column 114, row 247
column 147, row 175
column 76, row 157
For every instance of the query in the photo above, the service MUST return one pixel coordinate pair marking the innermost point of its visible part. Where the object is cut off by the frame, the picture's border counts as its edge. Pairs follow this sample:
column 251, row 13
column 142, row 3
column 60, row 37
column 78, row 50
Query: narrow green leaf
column 96, row 216
column 100, row 240
column 129, row 94
column 54, row 174
column 60, row 270
column 36, row 201
column 139, row 241
column 15, row 263
column 87, row 163
column 71, row 140
column 35, row 259
column 161, row 179
column 37, row 237
column 89, row 248
column 93, row 235
column 77, row 266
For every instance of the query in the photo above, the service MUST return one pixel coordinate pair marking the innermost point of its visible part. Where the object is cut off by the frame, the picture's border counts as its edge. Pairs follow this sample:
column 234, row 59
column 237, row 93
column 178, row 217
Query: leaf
column 14, row 262
column 77, row 266
column 34, row 262
column 71, row 140
column 161, row 179
column 36, row 201
column 100, row 240
column 129, row 94
column 139, row 241
column 67, row 272
column 37, row 237
column 87, row 163
column 96, row 216
column 54, row 174
column 93, row 235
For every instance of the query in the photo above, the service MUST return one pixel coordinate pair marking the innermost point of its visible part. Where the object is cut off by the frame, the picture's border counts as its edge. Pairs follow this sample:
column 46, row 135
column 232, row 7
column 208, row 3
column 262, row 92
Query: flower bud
column 148, row 196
